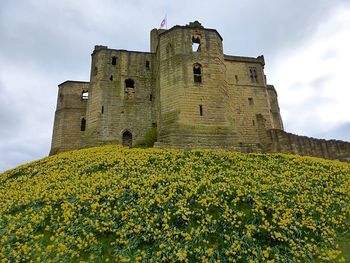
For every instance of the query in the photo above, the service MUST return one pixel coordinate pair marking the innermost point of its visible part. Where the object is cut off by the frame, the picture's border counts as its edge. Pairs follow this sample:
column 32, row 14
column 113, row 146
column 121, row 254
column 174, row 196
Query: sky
column 45, row 42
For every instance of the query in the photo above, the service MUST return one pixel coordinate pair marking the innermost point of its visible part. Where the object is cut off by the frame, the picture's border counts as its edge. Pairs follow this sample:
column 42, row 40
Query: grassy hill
column 116, row 204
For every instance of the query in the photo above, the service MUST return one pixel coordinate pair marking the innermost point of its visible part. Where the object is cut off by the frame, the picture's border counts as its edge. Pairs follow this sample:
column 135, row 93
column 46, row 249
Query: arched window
column 253, row 75
column 197, row 73
column 127, row 139
column 129, row 83
column 83, row 124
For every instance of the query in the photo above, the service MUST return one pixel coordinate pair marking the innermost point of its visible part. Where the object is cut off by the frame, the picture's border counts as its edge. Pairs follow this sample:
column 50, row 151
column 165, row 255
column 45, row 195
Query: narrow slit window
column 200, row 110
column 111, row 78
column 197, row 73
column 150, row 97
column 196, row 44
column 114, row 61
column 84, row 95
column 102, row 109
column 147, row 64
column 83, row 124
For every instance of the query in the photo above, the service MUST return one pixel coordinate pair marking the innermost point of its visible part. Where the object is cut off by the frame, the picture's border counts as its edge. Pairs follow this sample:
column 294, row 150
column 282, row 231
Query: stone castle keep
column 188, row 90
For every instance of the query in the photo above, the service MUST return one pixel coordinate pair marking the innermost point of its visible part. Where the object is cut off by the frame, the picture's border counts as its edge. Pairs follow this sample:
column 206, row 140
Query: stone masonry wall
column 284, row 142
column 193, row 113
column 70, row 111
column 247, row 98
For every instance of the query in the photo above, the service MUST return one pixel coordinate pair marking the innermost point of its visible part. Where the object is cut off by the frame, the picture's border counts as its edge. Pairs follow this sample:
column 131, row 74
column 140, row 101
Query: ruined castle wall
column 121, row 96
column 70, row 112
column 284, row 142
column 248, row 98
column 275, row 109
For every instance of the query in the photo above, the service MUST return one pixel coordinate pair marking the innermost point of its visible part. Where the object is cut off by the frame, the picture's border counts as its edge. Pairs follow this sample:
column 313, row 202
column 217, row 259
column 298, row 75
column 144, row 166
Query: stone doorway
column 127, row 139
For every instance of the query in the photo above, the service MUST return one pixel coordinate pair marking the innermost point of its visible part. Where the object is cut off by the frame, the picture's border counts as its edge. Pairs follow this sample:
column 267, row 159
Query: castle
column 187, row 90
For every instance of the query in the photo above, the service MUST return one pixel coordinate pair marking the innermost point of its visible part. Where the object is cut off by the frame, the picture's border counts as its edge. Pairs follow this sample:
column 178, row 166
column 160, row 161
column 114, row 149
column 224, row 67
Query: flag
column 163, row 23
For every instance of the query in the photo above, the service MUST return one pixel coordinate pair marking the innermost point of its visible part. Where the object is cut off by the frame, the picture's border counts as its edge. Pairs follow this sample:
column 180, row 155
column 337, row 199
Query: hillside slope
column 117, row 204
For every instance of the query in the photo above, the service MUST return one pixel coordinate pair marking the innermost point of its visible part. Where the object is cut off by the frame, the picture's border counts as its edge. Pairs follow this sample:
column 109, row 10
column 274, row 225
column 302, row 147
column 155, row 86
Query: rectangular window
column 114, row 61
column 84, row 95
column 251, row 101
column 102, row 109
column 147, row 64
column 201, row 110
column 82, row 124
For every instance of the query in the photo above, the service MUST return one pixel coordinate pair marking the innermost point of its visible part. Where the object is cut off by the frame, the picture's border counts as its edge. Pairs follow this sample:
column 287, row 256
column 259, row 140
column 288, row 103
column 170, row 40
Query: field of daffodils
column 114, row 204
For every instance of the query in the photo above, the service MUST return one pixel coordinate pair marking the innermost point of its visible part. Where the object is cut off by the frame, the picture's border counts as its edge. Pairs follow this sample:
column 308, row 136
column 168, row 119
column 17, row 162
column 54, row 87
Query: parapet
column 260, row 59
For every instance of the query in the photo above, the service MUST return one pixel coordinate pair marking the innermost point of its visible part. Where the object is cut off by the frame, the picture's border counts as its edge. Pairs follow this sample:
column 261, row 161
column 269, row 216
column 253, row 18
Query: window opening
column 147, row 64
column 82, row 124
column 253, row 75
column 111, row 78
column 129, row 89
column 236, row 77
column 150, row 97
column 129, row 83
column 196, row 44
column 85, row 95
column 127, row 139
column 114, row 61
column 197, row 73
column 253, row 123
column 102, row 109
column 95, row 71
column 251, row 101
column 201, row 110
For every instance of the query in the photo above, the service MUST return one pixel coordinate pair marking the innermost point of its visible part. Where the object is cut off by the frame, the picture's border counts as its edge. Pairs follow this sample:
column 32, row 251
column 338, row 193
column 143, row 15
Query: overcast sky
column 45, row 42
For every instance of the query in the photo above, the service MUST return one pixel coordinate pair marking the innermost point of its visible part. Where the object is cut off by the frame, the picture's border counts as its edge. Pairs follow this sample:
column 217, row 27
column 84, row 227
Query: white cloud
column 313, row 79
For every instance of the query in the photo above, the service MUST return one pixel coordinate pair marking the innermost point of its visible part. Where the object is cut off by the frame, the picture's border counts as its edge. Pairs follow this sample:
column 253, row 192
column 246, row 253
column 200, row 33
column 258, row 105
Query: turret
column 70, row 117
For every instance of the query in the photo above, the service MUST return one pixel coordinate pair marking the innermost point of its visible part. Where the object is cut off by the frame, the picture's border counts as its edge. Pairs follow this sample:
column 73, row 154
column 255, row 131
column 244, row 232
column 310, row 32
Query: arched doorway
column 127, row 139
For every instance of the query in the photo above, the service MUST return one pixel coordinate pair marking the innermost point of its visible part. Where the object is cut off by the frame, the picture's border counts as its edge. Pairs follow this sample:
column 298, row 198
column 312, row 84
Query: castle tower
column 120, row 99
column 70, row 120
column 192, row 89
